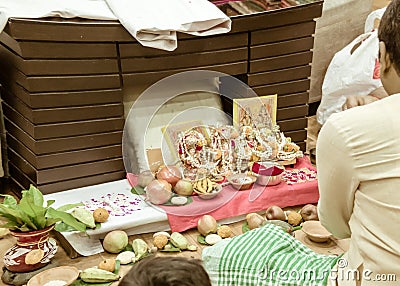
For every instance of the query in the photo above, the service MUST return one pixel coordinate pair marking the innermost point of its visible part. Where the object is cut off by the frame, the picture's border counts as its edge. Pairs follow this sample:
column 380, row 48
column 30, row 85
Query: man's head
column 166, row 271
column 389, row 47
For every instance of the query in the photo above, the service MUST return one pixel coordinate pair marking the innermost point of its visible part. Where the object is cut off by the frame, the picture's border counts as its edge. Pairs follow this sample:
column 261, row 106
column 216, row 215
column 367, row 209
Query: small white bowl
column 241, row 181
column 208, row 196
column 315, row 231
column 65, row 273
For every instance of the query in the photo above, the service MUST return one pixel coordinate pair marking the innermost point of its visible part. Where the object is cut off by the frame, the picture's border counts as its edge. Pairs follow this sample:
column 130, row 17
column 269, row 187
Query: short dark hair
column 389, row 32
column 166, row 271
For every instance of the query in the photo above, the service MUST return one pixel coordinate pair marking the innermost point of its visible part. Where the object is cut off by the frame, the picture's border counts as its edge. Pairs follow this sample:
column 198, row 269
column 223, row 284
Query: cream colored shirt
column 358, row 161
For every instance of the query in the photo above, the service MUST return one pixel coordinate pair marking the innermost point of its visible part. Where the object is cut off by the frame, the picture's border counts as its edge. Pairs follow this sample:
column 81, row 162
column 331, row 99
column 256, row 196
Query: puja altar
column 65, row 82
column 130, row 212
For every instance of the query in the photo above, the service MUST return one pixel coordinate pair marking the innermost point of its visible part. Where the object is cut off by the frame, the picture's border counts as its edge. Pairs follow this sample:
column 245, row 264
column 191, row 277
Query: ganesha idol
column 205, row 152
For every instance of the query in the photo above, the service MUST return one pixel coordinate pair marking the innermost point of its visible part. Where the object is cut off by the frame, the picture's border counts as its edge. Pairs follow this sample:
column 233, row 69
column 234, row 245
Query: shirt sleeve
column 337, row 180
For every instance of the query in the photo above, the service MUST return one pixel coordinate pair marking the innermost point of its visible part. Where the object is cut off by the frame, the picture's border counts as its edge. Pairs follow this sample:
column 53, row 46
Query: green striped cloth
column 266, row 256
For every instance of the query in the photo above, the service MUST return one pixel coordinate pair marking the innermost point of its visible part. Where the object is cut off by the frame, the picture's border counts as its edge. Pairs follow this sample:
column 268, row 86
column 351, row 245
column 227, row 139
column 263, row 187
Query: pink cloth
column 232, row 203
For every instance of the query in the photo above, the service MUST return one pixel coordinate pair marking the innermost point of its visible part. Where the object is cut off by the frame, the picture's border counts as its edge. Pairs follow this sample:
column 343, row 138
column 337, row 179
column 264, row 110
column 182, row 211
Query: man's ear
column 384, row 58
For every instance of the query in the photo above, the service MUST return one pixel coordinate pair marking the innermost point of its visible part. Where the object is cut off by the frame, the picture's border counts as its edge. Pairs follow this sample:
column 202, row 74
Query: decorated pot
column 33, row 250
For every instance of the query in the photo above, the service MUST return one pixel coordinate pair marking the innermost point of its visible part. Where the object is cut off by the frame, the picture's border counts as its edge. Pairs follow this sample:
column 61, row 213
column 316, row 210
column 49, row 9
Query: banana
column 200, row 187
column 209, row 185
column 95, row 275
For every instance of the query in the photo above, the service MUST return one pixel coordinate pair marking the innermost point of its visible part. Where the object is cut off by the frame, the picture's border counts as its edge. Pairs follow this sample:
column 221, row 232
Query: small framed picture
column 259, row 112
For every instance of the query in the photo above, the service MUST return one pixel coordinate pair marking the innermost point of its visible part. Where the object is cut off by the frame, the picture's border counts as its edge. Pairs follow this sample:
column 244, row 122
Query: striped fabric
column 266, row 256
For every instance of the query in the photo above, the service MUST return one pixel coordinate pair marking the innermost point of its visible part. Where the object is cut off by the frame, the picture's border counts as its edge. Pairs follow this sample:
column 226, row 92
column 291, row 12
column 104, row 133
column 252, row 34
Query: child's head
column 389, row 47
column 166, row 271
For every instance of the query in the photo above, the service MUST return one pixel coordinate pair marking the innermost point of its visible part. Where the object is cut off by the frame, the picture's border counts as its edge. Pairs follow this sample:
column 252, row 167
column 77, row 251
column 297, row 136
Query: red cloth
column 231, row 203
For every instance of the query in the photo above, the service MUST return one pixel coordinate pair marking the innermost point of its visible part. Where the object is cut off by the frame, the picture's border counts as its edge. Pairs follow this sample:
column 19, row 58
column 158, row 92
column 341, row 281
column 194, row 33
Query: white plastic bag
column 352, row 71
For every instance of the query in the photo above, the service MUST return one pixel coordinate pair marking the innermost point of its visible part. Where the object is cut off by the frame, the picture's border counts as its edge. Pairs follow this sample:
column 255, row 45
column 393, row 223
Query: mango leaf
column 33, row 195
column 9, row 201
column 21, row 217
column 49, row 203
column 68, row 207
column 65, row 218
column 201, row 239
column 35, row 212
column 137, row 190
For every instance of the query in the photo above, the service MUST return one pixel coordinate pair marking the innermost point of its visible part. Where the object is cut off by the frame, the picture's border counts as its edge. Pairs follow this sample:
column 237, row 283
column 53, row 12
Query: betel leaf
column 170, row 248
column 68, row 207
column 137, row 190
column 129, row 247
column 62, row 227
column 201, row 239
column 79, row 282
column 117, row 266
column 66, row 218
column 245, row 227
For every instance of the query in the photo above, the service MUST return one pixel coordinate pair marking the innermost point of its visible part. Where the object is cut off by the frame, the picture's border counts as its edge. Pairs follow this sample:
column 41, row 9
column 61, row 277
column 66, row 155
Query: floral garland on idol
column 221, row 151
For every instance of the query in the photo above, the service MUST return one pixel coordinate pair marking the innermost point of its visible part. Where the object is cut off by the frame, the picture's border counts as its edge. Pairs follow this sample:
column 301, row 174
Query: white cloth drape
column 153, row 23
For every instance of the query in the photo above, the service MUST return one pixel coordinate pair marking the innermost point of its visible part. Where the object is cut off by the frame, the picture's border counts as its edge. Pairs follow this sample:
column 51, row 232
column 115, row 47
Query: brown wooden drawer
column 66, row 30
column 293, row 99
column 146, row 78
column 302, row 145
column 64, row 129
column 292, row 112
column 64, row 158
column 281, row 48
column 276, row 18
column 63, row 114
column 277, row 76
column 283, row 88
column 59, row 50
column 281, row 62
column 62, row 144
column 23, row 182
column 61, row 83
column 58, row 66
column 192, row 60
column 65, row 172
column 297, row 136
column 292, row 124
column 282, row 33
column 64, row 99
column 187, row 46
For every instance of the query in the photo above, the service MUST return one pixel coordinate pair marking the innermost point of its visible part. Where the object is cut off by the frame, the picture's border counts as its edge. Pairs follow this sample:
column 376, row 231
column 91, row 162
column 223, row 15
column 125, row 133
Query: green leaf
column 201, row 239
column 79, row 282
column 9, row 201
column 129, row 247
column 98, row 225
column 62, row 227
column 172, row 248
column 68, row 207
column 245, row 227
column 117, row 266
column 49, row 203
column 137, row 190
column 65, row 218
column 34, row 196
column 35, row 212
column 20, row 216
